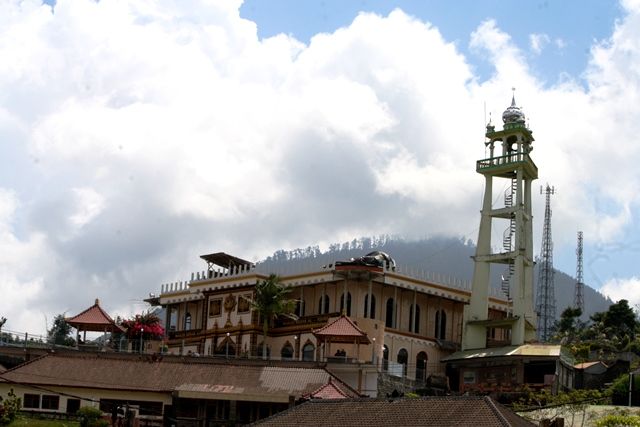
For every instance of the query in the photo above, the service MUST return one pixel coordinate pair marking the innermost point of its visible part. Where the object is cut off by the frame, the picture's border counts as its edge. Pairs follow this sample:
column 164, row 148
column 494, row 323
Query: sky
column 137, row 135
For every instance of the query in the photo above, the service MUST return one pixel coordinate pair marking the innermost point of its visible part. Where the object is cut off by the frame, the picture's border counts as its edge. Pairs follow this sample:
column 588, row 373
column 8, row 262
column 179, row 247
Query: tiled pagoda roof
column 93, row 318
column 342, row 328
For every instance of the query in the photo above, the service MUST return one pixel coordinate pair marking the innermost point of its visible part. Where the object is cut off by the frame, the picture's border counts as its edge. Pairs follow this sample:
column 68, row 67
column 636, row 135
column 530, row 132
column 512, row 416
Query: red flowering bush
column 146, row 325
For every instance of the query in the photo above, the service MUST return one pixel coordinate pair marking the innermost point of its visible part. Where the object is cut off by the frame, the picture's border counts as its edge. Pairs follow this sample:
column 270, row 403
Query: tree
column 271, row 302
column 60, row 332
column 568, row 326
column 621, row 319
column 145, row 326
column 9, row 407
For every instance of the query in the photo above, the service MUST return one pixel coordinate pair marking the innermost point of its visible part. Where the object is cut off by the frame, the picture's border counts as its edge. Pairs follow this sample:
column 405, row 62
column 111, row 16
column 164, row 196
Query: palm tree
column 271, row 302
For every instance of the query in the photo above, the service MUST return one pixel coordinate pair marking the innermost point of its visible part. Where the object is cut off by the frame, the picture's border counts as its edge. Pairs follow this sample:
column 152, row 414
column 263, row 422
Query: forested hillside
column 439, row 255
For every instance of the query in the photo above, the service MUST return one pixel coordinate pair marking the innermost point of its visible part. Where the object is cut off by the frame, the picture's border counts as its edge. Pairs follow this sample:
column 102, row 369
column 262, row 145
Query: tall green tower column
column 509, row 166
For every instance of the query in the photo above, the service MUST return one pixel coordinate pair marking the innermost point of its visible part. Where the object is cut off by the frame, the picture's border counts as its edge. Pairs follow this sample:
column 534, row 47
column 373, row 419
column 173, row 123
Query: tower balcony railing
column 508, row 160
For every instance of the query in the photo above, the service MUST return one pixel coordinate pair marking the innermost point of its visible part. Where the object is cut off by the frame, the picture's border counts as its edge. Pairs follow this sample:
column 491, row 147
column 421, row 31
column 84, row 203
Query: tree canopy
column 60, row 332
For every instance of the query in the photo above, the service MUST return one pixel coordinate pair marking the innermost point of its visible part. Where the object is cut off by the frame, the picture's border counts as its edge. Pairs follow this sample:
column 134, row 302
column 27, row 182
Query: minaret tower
column 546, row 298
column 578, row 301
column 508, row 160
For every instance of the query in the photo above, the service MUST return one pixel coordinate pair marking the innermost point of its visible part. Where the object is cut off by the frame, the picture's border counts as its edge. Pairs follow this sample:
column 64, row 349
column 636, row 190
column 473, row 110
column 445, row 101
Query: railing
column 503, row 160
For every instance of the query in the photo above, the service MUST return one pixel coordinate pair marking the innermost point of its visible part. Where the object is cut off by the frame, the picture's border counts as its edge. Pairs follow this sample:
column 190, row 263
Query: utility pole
column 545, row 299
column 578, row 301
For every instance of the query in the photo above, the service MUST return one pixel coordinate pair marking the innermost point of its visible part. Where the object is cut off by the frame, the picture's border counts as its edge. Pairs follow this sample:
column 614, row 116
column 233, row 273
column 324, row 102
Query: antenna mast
column 546, row 300
column 578, row 301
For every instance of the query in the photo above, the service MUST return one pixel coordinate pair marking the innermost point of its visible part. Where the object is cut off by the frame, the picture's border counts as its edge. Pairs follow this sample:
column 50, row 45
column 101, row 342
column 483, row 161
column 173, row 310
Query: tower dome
column 513, row 114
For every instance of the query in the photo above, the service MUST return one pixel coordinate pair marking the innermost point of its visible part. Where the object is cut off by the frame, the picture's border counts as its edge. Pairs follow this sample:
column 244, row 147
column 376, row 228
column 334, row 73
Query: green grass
column 24, row 421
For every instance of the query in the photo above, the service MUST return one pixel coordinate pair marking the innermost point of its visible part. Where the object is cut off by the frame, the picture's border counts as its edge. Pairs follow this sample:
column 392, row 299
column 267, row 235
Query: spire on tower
column 545, row 298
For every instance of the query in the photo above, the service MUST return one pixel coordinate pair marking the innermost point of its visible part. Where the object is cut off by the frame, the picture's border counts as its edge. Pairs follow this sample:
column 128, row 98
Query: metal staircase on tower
column 508, row 238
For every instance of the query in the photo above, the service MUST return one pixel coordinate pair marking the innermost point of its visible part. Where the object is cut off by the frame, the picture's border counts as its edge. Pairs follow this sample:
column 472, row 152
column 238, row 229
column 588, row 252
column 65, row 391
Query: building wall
column 88, row 396
column 245, row 333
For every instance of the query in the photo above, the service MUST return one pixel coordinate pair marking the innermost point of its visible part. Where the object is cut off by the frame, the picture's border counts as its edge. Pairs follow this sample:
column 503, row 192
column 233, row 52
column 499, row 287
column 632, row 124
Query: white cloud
column 623, row 288
column 157, row 131
column 538, row 41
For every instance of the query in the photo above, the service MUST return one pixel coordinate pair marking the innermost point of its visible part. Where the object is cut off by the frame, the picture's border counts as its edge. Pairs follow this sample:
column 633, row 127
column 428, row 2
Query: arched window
column 385, row 358
column 441, row 324
column 325, row 306
column 226, row 347
column 415, row 328
column 187, row 321
column 308, row 352
column 389, row 320
column 403, row 358
column 421, row 366
column 348, row 311
column 299, row 308
column 287, row 351
column 372, row 312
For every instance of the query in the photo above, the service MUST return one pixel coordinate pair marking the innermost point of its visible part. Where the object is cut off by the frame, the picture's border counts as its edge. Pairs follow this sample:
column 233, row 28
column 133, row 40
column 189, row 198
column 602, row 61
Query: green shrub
column 9, row 407
column 615, row 420
column 90, row 417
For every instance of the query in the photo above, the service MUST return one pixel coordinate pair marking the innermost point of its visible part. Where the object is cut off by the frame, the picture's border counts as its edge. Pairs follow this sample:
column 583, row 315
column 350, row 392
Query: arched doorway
column 403, row 359
column 342, row 308
column 421, row 366
column 287, row 352
column 372, row 311
column 389, row 321
column 308, row 352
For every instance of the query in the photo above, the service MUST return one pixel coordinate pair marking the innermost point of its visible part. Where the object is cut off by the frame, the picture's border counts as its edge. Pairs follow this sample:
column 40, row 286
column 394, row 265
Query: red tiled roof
column 330, row 390
column 342, row 327
column 93, row 318
column 466, row 411
column 187, row 377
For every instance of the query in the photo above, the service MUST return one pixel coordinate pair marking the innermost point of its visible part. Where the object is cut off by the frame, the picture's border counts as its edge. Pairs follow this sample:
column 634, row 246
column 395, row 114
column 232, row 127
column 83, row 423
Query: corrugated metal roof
column 531, row 350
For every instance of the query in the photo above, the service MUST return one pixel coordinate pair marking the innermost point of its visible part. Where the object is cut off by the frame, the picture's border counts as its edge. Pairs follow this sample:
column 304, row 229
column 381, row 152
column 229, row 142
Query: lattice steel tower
column 545, row 298
column 508, row 159
column 578, row 301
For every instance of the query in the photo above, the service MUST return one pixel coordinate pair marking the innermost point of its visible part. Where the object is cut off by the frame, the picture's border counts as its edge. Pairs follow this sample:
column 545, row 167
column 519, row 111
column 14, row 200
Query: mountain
column 445, row 257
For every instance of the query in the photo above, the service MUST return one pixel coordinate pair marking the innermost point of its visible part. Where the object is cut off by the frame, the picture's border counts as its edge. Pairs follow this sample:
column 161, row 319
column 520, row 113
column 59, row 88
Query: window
column 173, row 318
column 300, row 307
column 287, row 352
column 415, row 328
column 403, row 358
column 324, row 306
column 308, row 352
column 372, row 311
column 215, row 307
column 389, row 320
column 72, row 406
column 441, row 324
column 31, row 401
column 187, row 321
column 244, row 303
column 50, row 402
column 421, row 366
column 348, row 310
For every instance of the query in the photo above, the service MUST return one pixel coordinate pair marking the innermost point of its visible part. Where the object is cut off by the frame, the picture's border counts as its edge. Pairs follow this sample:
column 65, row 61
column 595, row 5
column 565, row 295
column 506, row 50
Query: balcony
column 504, row 166
column 177, row 335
